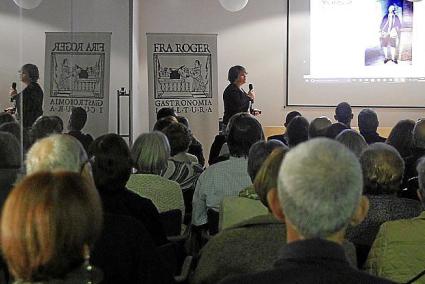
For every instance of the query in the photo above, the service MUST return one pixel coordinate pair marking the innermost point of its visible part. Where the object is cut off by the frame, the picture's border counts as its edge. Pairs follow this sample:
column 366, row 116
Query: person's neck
column 292, row 235
column 239, row 85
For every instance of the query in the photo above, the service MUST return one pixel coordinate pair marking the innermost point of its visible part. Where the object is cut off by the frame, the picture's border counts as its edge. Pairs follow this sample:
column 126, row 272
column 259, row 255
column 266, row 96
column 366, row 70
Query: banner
column 77, row 75
column 183, row 75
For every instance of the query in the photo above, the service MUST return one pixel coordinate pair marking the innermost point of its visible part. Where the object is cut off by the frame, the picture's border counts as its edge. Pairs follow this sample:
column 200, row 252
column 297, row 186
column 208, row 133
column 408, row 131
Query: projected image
column 394, row 26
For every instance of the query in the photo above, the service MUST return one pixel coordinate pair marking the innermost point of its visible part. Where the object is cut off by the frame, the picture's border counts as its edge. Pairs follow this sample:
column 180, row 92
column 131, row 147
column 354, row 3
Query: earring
column 88, row 267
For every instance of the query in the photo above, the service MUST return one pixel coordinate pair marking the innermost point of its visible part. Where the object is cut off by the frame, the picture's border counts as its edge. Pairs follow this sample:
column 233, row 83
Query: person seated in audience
column 235, row 209
column 334, row 129
column 164, row 112
column 15, row 129
column 6, row 117
column 112, row 164
column 182, row 167
column 195, row 147
column 353, row 140
column 284, row 136
column 344, row 114
column 150, row 153
column 164, row 122
column 418, row 149
column 401, row 137
column 60, row 216
column 45, row 126
column 383, row 170
column 318, row 127
column 76, row 122
column 319, row 193
column 398, row 252
column 297, row 131
column 229, row 177
column 10, row 164
column 125, row 251
column 368, row 126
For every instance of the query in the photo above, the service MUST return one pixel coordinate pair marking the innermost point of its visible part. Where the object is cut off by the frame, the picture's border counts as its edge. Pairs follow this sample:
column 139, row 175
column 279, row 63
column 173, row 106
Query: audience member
column 195, row 147
column 353, row 140
column 401, row 137
column 333, row 130
column 383, row 169
column 368, row 125
column 164, row 112
column 49, row 223
column 229, row 177
column 235, row 209
column 182, row 167
column 45, row 126
column 344, row 114
column 418, row 149
column 58, row 123
column 318, row 127
column 10, row 164
column 319, row 194
column 76, row 122
column 398, row 251
column 111, row 170
column 284, row 137
column 297, row 131
column 164, row 122
column 125, row 251
column 150, row 153
column 15, row 129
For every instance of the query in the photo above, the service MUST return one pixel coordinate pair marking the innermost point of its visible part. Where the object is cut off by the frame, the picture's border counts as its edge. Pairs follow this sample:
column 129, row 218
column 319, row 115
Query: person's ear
column 352, row 116
column 335, row 117
column 274, row 204
column 361, row 211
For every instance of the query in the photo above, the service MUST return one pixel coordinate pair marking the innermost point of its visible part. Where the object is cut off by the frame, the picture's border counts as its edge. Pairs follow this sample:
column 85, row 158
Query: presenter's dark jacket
column 235, row 101
column 309, row 261
column 32, row 104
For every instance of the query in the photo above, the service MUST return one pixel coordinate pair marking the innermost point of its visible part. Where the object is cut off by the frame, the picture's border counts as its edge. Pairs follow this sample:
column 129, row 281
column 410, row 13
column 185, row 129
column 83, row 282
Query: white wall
column 22, row 34
column 254, row 37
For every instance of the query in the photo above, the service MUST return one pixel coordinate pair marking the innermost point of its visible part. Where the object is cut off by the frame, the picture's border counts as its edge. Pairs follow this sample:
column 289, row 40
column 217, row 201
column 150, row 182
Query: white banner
column 183, row 75
column 77, row 75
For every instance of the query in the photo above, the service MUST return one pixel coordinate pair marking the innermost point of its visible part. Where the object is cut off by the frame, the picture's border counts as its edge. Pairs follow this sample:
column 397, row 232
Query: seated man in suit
column 319, row 193
column 368, row 125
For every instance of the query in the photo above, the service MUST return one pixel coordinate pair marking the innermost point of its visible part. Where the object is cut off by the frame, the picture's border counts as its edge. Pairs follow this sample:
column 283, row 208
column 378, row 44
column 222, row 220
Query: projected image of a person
column 234, row 97
column 390, row 32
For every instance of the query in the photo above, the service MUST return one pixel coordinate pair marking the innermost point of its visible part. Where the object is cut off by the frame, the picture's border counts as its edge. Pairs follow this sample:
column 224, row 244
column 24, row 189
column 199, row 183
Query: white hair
column 57, row 152
column 320, row 185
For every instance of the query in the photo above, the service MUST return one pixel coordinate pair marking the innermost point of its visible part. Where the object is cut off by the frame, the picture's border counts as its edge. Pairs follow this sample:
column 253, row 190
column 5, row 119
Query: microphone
column 14, row 86
column 250, row 86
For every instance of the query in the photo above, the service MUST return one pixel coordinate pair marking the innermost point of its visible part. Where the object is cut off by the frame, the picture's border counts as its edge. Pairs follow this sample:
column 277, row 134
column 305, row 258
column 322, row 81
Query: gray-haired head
column 353, row 141
column 320, row 186
column 58, row 152
column 150, row 153
column 318, row 127
column 419, row 134
column 383, row 169
column 421, row 178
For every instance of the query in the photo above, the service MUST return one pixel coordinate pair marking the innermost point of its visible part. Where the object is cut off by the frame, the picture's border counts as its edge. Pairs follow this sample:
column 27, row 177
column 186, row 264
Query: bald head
column 56, row 153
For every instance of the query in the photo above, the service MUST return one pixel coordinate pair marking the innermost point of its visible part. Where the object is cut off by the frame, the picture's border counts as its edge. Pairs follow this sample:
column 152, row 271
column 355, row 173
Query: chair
column 174, row 262
column 171, row 222
column 411, row 190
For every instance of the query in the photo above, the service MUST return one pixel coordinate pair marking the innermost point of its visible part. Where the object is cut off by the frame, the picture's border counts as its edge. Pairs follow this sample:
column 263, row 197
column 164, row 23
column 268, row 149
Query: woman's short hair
column 47, row 220
column 401, row 137
column 111, row 162
column 243, row 130
column 234, row 72
column 266, row 178
column 32, row 71
column 353, row 140
column 382, row 168
column 179, row 137
column 150, row 153
column 259, row 152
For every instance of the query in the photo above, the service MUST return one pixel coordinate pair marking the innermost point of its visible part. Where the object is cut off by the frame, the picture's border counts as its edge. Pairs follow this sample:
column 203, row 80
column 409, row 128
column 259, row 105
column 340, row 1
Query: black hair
column 291, row 115
column 78, row 118
column 259, row 152
column 32, row 71
column 179, row 137
column 297, row 131
column 243, row 131
column 368, row 120
column 164, row 112
column 343, row 113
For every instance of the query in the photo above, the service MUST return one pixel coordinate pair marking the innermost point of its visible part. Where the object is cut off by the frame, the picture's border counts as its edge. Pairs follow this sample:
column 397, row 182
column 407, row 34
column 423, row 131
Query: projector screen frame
column 287, row 104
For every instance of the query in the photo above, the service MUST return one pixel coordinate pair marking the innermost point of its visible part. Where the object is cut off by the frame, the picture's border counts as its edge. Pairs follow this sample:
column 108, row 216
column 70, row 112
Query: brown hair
column 47, row 220
column 266, row 177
